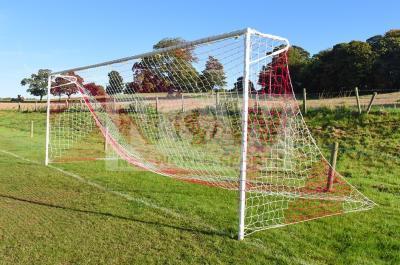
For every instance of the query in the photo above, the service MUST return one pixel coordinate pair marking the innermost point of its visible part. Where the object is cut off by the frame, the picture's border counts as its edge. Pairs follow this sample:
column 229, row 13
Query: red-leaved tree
column 273, row 78
column 64, row 86
column 94, row 89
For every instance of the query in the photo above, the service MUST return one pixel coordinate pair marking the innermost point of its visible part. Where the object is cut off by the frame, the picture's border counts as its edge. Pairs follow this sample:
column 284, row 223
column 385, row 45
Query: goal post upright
column 48, row 120
column 243, row 158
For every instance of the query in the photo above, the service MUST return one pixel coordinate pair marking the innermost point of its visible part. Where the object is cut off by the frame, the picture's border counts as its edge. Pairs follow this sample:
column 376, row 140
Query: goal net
column 218, row 111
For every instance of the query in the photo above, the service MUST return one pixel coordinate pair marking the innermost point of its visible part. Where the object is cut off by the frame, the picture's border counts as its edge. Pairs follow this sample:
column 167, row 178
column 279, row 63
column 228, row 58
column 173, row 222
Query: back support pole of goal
column 48, row 120
column 243, row 158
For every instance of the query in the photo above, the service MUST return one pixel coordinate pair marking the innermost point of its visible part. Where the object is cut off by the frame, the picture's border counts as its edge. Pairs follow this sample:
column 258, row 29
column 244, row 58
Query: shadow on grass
column 120, row 217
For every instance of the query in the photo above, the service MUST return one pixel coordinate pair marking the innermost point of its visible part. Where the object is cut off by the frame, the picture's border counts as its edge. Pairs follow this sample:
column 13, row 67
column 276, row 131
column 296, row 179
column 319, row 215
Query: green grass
column 50, row 217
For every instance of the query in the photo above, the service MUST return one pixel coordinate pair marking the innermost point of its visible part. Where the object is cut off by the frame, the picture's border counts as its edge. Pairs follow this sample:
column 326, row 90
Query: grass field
column 83, row 213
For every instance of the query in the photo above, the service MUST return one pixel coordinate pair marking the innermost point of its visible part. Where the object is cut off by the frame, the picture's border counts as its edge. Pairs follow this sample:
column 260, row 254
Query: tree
column 37, row 83
column 344, row 67
column 213, row 76
column 115, row 83
column 186, row 54
column 146, row 79
column 298, row 60
column 94, row 89
column 271, row 77
column 172, row 70
column 66, row 86
column 238, row 85
column 176, row 65
column 385, row 72
column 130, row 88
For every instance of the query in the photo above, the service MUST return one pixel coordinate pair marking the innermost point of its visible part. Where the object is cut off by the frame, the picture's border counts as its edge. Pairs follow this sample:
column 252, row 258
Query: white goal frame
column 280, row 47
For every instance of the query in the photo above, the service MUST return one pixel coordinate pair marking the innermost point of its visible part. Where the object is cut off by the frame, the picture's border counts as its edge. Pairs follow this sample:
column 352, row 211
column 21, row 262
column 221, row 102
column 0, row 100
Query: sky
column 58, row 35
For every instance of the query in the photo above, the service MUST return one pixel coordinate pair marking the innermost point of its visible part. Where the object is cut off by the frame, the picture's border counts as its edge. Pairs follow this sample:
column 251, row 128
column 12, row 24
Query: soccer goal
column 219, row 111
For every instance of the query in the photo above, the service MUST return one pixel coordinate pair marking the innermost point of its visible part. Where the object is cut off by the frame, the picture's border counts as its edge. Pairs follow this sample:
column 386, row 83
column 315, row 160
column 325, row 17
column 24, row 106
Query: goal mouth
column 219, row 111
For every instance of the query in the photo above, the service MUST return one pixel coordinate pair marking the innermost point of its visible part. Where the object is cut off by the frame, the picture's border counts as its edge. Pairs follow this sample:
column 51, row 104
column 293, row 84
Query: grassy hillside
column 90, row 213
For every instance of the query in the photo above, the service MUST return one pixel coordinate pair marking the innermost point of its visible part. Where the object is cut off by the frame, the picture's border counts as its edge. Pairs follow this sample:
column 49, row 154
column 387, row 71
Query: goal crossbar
column 174, row 47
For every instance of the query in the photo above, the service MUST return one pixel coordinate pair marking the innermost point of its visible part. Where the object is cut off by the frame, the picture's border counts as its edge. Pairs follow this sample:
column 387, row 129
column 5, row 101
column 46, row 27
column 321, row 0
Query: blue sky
column 64, row 34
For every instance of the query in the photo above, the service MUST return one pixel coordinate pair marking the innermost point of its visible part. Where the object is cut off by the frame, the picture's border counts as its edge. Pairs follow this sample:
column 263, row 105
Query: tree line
column 167, row 72
column 370, row 65
column 373, row 64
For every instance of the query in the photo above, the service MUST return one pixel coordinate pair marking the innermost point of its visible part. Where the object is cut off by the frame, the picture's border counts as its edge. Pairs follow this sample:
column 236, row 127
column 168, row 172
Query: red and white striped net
column 179, row 113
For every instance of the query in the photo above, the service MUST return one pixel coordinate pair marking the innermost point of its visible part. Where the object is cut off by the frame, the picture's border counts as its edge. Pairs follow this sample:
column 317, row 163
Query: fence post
column 216, row 99
column 157, row 104
column 19, row 106
column 106, row 140
column 332, row 168
column 304, row 101
column 370, row 103
column 31, row 129
column 257, row 102
column 358, row 100
column 183, row 103
column 35, row 106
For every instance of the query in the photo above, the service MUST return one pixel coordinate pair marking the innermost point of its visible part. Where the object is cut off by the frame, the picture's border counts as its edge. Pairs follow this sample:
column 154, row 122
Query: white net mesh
column 178, row 112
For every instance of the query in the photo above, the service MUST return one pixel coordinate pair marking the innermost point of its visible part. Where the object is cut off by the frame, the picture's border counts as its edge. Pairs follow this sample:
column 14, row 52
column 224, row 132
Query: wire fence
column 384, row 98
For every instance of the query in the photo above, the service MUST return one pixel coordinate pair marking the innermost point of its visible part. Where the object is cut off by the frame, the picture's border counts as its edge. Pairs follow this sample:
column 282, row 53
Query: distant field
column 192, row 101
column 86, row 213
